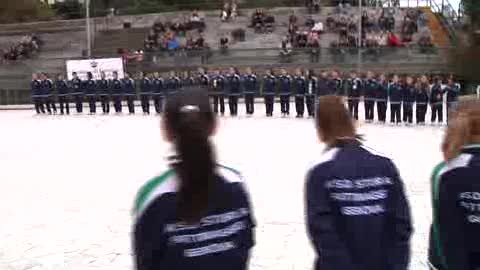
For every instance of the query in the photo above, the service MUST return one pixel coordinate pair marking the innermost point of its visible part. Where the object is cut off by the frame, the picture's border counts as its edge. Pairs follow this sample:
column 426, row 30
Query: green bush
column 70, row 9
column 23, row 11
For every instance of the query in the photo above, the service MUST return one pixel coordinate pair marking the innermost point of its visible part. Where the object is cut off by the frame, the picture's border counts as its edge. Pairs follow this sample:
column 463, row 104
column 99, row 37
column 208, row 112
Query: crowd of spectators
column 262, row 22
column 229, row 11
column 24, row 49
column 184, row 33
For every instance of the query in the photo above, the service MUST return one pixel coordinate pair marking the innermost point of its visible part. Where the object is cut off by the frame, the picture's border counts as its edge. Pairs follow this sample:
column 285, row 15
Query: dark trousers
column 421, row 112
column 395, row 113
column 451, row 108
column 145, row 101
column 353, row 108
column 300, row 105
column 131, row 107
column 79, row 103
column 311, row 105
column 105, row 103
column 285, row 104
column 117, row 103
column 158, row 103
column 249, row 103
column 437, row 111
column 369, row 110
column 50, row 103
column 219, row 100
column 92, row 103
column 269, row 104
column 233, row 105
column 382, row 111
column 63, row 102
column 408, row 113
column 39, row 106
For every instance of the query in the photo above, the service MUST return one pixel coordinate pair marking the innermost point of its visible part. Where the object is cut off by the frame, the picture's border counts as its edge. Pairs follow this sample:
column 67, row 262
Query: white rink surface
column 67, row 184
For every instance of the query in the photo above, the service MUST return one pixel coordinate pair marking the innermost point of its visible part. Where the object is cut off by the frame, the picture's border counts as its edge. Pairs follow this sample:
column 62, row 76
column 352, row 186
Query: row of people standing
column 303, row 85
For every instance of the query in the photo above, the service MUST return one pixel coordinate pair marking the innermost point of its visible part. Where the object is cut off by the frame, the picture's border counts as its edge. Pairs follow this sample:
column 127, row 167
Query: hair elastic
column 189, row 109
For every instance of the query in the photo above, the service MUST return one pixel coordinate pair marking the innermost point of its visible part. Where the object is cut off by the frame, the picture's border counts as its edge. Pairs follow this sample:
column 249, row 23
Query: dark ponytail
column 189, row 122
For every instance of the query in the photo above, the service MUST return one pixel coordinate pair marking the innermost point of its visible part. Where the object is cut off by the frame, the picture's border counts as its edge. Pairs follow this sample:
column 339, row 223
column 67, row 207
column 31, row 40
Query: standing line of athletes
column 407, row 94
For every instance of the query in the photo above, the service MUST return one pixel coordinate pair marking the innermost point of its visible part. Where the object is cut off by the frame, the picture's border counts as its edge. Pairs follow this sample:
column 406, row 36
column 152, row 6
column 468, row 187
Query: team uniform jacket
column 436, row 94
column 76, row 85
column 233, row 84
column 323, row 87
column 90, row 87
column 452, row 92
column 300, row 84
column 47, row 88
column 370, row 90
column 354, row 88
column 217, row 84
column 173, row 85
column 285, row 82
column 145, row 86
column 357, row 215
column 221, row 240
column 62, row 88
column 382, row 92
column 421, row 97
column 334, row 86
column 189, row 81
column 103, row 87
column 157, row 87
column 395, row 93
column 409, row 94
column 312, row 86
column 269, row 85
column 454, row 235
column 116, row 87
column 203, row 80
column 250, row 84
column 36, row 88
column 128, row 87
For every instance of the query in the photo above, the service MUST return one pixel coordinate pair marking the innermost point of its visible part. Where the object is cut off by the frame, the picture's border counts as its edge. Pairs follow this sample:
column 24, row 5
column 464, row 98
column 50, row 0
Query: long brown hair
column 333, row 122
column 464, row 129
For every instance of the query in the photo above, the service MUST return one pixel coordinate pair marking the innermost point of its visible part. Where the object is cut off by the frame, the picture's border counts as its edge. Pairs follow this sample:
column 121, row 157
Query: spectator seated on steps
column 393, row 40
column 158, row 27
column 309, row 22
column 229, row 11
column 285, row 47
column 313, row 5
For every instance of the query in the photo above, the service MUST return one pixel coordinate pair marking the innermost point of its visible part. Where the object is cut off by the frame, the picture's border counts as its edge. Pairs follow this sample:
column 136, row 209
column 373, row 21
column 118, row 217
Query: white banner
column 95, row 66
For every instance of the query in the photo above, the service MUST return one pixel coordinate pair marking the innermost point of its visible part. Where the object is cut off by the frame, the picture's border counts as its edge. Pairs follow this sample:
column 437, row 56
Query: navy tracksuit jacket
column 250, row 84
column 358, row 217
column 221, row 240
column 285, row 85
column 173, row 85
column 269, row 85
column 62, row 88
column 76, row 85
column 455, row 232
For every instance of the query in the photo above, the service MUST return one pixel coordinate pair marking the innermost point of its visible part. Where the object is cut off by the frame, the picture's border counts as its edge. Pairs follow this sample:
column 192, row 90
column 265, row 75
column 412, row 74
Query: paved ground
column 68, row 183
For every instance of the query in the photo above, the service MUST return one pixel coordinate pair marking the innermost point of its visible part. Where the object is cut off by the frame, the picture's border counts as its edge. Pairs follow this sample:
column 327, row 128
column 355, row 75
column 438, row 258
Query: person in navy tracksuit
column 173, row 83
column 369, row 96
column 453, row 91
column 395, row 94
column 285, row 91
column 323, row 84
column 269, row 90
column 250, row 85
column 116, row 88
column 36, row 93
column 382, row 98
column 130, row 92
column 334, row 84
column 300, row 88
column 187, row 80
column 422, row 99
column 197, row 215
column 233, row 83
column 436, row 100
column 454, row 234
column 103, row 89
column 312, row 88
column 357, row 213
column 158, row 92
column 47, row 94
column 217, row 90
column 145, row 92
column 203, row 79
column 354, row 90
column 90, row 93
column 77, row 89
column 409, row 93
column 61, row 85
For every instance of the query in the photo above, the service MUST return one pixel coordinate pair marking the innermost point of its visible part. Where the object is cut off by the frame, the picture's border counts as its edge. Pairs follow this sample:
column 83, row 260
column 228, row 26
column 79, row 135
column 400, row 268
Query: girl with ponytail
column 197, row 215
column 454, row 234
